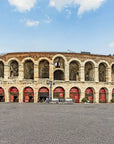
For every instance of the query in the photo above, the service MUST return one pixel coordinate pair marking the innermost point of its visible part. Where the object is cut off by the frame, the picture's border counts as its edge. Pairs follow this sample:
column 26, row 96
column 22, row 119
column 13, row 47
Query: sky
column 57, row 25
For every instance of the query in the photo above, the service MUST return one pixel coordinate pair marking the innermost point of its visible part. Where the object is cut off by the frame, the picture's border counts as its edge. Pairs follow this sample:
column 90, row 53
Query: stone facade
column 66, row 70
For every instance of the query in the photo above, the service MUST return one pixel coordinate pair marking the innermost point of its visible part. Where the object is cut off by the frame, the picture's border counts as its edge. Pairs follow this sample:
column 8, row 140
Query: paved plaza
column 56, row 124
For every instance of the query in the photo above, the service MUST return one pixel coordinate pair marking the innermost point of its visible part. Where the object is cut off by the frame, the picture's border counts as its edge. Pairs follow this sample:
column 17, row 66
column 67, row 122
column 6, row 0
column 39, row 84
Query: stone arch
column 89, row 94
column 59, row 93
column 74, row 71
column 103, row 95
column 103, row 72
column 89, row 69
column 59, row 55
column 75, row 94
column 1, row 69
column 13, row 59
column 27, row 58
column 14, row 94
column 2, row 95
column 43, row 69
column 28, row 94
column 43, row 94
column 59, row 75
column 28, row 69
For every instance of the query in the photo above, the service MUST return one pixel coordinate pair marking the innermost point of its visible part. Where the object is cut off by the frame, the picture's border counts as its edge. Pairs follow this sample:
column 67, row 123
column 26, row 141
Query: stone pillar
column 82, row 74
column 96, row 74
column 96, row 97
column 36, row 95
column 67, row 72
column 6, row 72
column 67, row 95
column 21, row 72
column 82, row 95
column 21, row 95
column 35, row 70
column 108, row 74
column 51, row 73
column 6, row 95
column 109, row 96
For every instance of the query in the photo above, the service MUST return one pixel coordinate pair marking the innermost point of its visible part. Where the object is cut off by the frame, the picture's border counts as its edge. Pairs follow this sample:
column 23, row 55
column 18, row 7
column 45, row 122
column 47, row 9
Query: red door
column 59, row 93
column 14, row 94
column 2, row 96
column 113, row 93
column 28, row 95
column 89, row 94
column 75, row 94
column 102, row 96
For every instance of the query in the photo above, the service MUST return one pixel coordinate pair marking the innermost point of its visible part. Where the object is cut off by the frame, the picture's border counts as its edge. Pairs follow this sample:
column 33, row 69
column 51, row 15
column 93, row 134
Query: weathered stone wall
column 36, row 83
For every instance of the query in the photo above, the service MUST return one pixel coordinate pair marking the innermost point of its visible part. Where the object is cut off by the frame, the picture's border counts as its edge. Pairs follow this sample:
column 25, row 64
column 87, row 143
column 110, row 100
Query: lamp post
column 51, row 83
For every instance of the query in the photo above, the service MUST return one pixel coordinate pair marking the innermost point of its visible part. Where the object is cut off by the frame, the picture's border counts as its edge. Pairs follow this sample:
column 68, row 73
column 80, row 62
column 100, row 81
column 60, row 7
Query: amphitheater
column 37, row 76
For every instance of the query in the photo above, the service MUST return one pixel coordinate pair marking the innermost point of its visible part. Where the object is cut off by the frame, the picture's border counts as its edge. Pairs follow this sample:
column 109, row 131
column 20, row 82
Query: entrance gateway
column 89, row 94
column 14, row 94
column 43, row 94
column 75, row 94
column 28, row 95
column 102, row 95
column 2, row 96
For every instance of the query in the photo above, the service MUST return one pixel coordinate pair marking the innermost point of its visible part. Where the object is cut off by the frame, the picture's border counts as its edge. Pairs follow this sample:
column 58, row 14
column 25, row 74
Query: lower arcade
column 43, row 94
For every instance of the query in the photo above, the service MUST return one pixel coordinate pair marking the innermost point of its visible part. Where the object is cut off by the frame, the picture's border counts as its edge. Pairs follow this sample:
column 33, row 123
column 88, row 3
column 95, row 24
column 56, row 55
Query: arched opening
column 43, row 94
column 1, row 69
column 44, row 69
column 102, row 72
column 59, row 62
column 103, row 95
column 14, row 68
column 74, row 71
column 75, row 94
column 89, row 71
column 113, row 93
column 28, row 69
column 89, row 94
column 14, row 94
column 2, row 95
column 58, row 75
column 28, row 95
column 59, row 93
column 112, row 72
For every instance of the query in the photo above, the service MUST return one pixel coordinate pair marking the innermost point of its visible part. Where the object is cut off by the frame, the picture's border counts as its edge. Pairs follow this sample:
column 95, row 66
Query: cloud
column 48, row 20
column 111, row 45
column 22, row 5
column 84, row 5
column 31, row 23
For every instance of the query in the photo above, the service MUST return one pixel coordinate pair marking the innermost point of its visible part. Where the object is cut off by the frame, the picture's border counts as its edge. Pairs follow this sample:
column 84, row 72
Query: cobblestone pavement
column 56, row 124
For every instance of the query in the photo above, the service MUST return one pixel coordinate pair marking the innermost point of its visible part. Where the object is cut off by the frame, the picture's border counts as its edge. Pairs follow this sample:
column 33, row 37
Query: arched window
column 1, row 69
column 89, row 71
column 44, row 69
column 102, row 72
column 59, row 62
column 14, row 68
column 74, row 71
column 112, row 71
column 2, row 95
column 28, row 69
